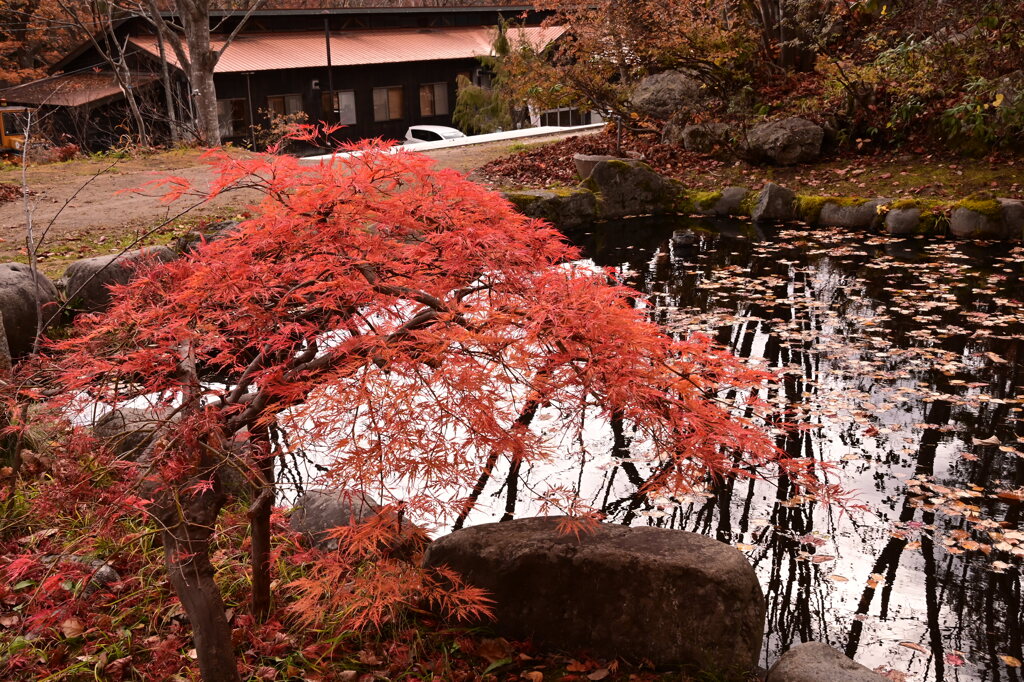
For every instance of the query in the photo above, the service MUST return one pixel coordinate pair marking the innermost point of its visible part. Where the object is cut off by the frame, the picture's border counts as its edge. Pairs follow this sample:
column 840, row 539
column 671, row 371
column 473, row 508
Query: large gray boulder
column 19, row 291
column 128, row 430
column 86, row 282
column 664, row 94
column 774, row 204
column 672, row 597
column 318, row 511
column 627, row 188
column 785, row 142
column 817, row 662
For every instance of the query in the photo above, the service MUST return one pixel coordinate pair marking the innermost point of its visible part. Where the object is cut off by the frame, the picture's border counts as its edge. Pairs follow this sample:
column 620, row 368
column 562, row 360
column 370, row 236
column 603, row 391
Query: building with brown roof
column 374, row 66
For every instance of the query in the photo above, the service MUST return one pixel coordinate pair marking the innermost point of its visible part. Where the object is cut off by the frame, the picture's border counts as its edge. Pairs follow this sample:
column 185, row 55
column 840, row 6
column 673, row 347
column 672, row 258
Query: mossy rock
column 727, row 202
column 851, row 213
column 917, row 217
column 748, row 203
column 626, row 188
column 808, row 207
column 985, row 218
column 564, row 209
column 705, row 202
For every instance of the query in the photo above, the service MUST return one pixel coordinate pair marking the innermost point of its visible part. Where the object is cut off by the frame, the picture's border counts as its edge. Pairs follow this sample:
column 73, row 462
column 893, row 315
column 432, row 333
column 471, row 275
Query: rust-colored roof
column 70, row 90
column 269, row 51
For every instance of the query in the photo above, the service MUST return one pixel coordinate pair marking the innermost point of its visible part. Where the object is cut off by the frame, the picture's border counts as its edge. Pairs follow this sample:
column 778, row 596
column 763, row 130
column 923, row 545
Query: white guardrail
column 469, row 140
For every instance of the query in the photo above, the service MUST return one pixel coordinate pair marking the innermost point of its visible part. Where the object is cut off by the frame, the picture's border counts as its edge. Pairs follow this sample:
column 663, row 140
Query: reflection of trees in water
column 967, row 607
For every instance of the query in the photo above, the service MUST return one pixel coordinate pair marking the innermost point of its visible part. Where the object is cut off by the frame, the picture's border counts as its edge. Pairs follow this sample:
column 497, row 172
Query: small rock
column 189, row 242
column 685, row 238
column 1006, row 219
column 858, row 216
column 903, row 221
column 785, row 142
column 86, row 282
column 103, row 574
column 585, row 163
column 318, row 511
column 774, row 204
column 731, row 202
column 1013, row 217
column 817, row 662
column 705, row 138
column 128, row 430
column 672, row 597
column 19, row 292
column 561, row 210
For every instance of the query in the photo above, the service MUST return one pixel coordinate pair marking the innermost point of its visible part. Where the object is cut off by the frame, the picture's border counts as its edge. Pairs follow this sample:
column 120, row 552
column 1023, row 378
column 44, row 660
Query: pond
column 901, row 363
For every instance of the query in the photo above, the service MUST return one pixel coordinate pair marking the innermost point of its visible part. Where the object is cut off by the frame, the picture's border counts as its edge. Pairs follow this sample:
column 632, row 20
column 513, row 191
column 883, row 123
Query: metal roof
column 71, row 90
column 298, row 50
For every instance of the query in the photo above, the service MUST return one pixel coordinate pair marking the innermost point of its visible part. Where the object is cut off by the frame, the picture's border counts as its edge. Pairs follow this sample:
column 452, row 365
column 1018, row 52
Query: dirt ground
column 83, row 208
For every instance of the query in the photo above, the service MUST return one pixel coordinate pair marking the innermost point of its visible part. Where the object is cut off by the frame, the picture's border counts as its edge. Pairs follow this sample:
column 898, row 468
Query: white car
column 427, row 133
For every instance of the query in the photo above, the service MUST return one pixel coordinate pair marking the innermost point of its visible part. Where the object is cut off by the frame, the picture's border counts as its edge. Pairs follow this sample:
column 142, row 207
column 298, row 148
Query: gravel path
column 83, row 208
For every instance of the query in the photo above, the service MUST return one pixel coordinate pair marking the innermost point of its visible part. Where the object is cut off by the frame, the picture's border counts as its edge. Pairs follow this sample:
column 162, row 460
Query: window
column 387, row 103
column 233, row 117
column 283, row 105
column 434, row 99
column 564, row 117
column 344, row 106
column 15, row 123
column 425, row 135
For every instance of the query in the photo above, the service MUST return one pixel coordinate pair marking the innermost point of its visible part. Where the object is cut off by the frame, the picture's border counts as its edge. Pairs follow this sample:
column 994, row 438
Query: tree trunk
column 188, row 524
column 205, row 95
column 172, row 114
column 124, row 80
column 259, row 521
column 202, row 60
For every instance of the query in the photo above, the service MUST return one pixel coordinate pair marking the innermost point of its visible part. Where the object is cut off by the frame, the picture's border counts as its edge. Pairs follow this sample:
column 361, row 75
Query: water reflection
column 901, row 361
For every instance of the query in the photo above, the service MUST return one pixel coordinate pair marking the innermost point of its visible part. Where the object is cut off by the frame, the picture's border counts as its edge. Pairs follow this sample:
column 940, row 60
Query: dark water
column 899, row 357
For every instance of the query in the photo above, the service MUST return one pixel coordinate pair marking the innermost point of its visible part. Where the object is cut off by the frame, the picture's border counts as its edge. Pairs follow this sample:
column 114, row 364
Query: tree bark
column 259, row 522
column 188, row 524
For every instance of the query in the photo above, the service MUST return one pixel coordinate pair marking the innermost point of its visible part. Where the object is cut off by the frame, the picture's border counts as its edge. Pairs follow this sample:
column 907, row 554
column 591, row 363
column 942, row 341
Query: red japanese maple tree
column 407, row 324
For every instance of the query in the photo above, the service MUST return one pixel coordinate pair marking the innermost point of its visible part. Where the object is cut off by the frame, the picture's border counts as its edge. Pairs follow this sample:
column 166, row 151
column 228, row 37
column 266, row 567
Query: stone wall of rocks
column 622, row 188
column 84, row 287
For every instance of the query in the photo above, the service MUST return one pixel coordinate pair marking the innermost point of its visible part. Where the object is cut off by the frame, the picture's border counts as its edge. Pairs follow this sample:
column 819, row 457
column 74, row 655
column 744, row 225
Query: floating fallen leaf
column 915, row 646
column 992, row 440
column 1010, row 661
column 955, row 658
column 838, row 579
